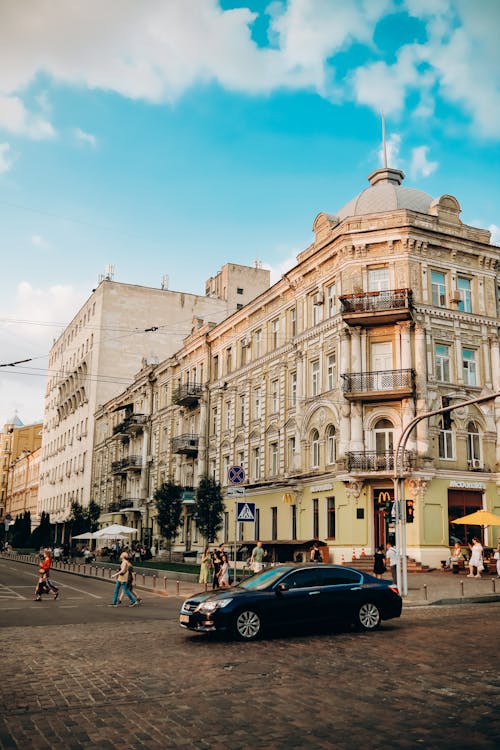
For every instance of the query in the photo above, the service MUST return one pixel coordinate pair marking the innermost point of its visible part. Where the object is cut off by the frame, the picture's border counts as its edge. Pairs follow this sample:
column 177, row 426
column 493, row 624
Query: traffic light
column 409, row 511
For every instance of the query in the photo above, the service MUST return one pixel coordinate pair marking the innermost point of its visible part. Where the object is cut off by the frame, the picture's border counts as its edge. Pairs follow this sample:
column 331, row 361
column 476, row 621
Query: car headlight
column 212, row 605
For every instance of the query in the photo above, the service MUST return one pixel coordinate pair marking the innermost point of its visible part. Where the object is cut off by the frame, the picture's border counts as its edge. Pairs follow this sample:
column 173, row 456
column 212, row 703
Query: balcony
column 368, row 461
column 131, row 425
column 185, row 444
column 131, row 503
column 187, row 394
column 376, row 308
column 385, row 385
column 130, row 463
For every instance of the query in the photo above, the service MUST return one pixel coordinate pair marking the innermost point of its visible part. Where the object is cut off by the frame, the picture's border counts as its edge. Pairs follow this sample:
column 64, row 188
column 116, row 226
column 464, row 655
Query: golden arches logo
column 384, row 498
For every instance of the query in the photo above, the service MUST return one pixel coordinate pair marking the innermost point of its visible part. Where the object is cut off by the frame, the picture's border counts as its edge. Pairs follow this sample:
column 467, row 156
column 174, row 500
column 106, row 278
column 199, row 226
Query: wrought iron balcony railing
column 187, row 394
column 378, row 385
column 130, row 502
column 376, row 461
column 187, row 444
column 124, row 464
column 377, row 308
column 132, row 423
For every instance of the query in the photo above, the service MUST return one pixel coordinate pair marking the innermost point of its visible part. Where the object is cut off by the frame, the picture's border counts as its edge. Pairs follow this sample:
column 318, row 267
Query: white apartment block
column 391, row 312
column 117, row 331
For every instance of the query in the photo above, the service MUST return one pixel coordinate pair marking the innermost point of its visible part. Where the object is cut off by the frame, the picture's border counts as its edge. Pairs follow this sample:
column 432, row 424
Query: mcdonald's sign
column 384, row 499
column 288, row 498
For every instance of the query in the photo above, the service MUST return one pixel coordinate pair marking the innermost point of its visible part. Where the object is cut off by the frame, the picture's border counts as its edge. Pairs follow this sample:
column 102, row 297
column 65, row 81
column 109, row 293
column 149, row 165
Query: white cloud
column 282, row 267
column 38, row 241
column 420, row 165
column 495, row 234
column 85, row 137
column 6, row 160
column 393, row 145
column 15, row 118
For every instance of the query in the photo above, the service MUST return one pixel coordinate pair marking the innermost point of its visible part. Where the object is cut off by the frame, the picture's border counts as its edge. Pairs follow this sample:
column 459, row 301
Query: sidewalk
column 432, row 588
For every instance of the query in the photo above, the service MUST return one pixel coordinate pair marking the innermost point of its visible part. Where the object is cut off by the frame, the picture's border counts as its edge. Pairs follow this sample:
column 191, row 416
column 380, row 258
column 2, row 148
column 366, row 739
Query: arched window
column 331, row 445
column 445, row 440
column 314, row 449
column 384, row 436
column 473, row 446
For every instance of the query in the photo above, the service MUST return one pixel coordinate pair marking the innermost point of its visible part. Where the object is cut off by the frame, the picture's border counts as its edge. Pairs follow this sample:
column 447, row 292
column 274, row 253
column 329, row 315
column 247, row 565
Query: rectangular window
column 228, row 415
column 225, row 469
column 293, row 509
column 273, row 459
column 257, row 338
column 293, row 389
column 331, row 297
column 293, row 322
column 442, row 355
column 469, row 366
column 438, row 289
column 378, row 279
column 256, row 463
column 291, row 453
column 315, row 518
column 257, row 403
column 330, row 521
column 331, row 371
column 239, row 290
column 445, row 443
column 243, row 352
column 317, row 309
column 215, row 366
column 315, row 386
column 229, row 356
column 464, row 290
column 275, row 330
column 214, row 420
column 274, row 397
column 241, row 458
column 274, row 522
column 242, row 409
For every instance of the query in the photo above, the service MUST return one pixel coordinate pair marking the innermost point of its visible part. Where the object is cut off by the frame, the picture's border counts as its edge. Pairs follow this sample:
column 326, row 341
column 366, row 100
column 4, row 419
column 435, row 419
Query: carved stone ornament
column 353, row 489
column 418, row 487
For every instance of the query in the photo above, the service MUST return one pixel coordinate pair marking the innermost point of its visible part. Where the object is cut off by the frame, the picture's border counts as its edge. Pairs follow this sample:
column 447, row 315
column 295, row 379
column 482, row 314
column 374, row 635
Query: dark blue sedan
column 285, row 596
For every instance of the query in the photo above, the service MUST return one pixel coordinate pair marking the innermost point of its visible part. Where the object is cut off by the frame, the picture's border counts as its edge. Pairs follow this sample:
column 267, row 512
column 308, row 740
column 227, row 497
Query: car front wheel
column 368, row 616
column 247, row 625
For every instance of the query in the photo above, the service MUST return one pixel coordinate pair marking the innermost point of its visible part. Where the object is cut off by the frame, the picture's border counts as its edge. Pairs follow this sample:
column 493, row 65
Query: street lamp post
column 399, row 484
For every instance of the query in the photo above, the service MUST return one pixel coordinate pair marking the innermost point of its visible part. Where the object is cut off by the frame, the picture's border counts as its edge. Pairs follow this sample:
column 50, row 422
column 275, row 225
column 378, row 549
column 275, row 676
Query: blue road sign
column 236, row 474
column 245, row 512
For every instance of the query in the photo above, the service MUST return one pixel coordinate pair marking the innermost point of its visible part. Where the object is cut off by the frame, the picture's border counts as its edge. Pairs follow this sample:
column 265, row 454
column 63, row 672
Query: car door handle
column 313, row 593
column 355, row 588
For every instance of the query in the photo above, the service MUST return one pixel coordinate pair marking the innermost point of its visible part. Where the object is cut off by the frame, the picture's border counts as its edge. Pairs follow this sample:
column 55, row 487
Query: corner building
column 391, row 312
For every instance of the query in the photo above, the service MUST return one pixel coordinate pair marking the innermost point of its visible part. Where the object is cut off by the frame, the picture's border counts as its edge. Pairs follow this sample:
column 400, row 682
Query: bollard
column 178, row 587
column 154, row 580
column 143, row 579
column 461, row 588
column 109, row 572
column 425, row 591
column 102, row 572
column 165, row 583
column 493, row 585
column 78, row 568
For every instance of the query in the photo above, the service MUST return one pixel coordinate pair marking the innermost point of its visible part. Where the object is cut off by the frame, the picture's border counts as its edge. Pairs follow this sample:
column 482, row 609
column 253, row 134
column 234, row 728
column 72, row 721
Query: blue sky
column 173, row 136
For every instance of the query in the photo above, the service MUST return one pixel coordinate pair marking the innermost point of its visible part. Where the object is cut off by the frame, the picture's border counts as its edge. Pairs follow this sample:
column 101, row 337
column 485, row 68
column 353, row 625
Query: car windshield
column 264, row 579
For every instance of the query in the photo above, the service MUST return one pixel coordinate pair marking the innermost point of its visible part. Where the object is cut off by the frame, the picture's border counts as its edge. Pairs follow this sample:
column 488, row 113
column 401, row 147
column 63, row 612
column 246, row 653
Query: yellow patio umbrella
column 479, row 518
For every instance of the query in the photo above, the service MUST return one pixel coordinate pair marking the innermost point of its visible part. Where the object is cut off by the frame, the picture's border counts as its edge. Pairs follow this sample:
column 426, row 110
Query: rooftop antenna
column 384, row 142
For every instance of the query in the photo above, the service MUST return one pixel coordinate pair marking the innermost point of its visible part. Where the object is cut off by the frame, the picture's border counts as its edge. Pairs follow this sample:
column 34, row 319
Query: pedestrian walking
column 217, row 562
column 257, row 558
column 121, row 584
column 476, row 558
column 45, row 567
column 315, row 553
column 205, row 566
column 391, row 557
column 42, row 586
column 379, row 562
column 224, row 572
column 131, row 581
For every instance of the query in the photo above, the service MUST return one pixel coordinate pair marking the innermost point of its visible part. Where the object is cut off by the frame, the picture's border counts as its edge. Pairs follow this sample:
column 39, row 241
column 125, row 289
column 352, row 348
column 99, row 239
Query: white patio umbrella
column 86, row 535
column 115, row 531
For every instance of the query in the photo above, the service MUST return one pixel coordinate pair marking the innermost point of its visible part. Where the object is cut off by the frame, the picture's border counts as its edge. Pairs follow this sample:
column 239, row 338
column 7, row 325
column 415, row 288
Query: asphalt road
column 78, row 675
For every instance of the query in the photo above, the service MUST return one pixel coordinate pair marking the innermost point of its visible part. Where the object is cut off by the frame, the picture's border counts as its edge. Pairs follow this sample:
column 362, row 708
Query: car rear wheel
column 247, row 625
column 368, row 616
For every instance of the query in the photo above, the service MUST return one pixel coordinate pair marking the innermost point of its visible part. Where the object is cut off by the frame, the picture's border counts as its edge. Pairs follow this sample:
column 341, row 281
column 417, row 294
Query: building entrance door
column 383, row 502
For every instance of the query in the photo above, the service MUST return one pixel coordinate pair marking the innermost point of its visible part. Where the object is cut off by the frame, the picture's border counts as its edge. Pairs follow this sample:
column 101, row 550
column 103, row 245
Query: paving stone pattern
column 429, row 680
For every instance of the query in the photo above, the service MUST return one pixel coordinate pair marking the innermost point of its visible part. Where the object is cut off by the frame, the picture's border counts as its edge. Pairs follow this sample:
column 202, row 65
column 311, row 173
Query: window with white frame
column 275, row 331
column 331, row 297
column 291, row 453
column 225, row 469
column 442, row 358
column 241, row 458
column 257, row 342
column 293, row 389
column 438, row 288
column 293, row 321
column 464, row 290
column 469, row 367
column 315, row 384
column 229, row 359
column 331, row 445
column 445, row 441
column 257, row 403
column 274, row 396
column 228, row 415
column 273, row 459
column 256, row 462
column 331, row 370
column 378, row 279
column 317, row 309
column 314, row 449
column 242, row 409
column 473, row 446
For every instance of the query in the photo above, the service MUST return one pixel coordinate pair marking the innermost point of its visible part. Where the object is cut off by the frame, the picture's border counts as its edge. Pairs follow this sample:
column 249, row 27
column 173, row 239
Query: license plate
column 184, row 619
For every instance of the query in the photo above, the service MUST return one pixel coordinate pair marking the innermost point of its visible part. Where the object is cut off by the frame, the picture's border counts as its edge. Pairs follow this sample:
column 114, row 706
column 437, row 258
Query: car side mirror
column 281, row 587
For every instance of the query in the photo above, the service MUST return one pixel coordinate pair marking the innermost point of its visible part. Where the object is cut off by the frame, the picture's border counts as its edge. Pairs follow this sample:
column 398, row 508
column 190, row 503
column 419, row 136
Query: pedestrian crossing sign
column 245, row 512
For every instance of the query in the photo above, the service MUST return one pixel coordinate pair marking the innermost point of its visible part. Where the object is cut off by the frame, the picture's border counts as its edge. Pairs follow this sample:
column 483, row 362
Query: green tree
column 209, row 508
column 42, row 535
column 21, row 530
column 169, row 507
column 93, row 514
column 78, row 519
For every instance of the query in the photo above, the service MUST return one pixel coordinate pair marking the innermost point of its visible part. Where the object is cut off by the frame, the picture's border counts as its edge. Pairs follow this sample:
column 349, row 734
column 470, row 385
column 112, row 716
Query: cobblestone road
column 428, row 680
